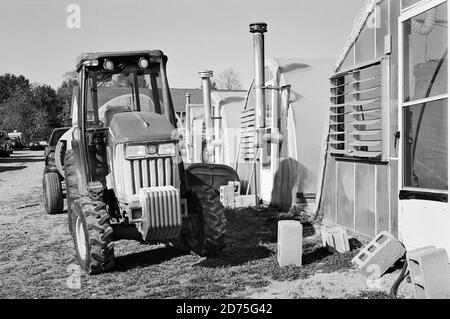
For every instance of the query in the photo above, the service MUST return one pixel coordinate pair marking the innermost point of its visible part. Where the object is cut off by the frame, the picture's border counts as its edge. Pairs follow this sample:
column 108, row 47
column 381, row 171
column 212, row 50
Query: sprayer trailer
column 124, row 174
column 53, row 179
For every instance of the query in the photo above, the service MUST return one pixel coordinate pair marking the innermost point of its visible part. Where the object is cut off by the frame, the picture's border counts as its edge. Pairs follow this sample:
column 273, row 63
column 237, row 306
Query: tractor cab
column 130, row 82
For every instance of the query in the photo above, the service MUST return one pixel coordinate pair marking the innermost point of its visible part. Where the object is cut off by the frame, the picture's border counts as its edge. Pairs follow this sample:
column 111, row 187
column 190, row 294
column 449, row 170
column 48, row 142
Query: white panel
column 137, row 175
column 168, row 171
column 423, row 223
column 145, row 174
column 160, row 167
column 153, row 181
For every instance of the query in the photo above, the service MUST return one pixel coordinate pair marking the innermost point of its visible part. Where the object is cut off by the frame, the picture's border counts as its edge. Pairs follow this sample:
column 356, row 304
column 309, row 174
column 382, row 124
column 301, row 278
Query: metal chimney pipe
column 205, row 75
column 258, row 29
column 187, row 129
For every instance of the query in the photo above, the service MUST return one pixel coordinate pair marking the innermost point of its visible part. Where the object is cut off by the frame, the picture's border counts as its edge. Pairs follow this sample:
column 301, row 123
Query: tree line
column 34, row 109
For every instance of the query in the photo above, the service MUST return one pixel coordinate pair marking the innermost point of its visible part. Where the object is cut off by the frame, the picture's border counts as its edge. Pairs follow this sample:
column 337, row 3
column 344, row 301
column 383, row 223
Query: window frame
column 407, row 14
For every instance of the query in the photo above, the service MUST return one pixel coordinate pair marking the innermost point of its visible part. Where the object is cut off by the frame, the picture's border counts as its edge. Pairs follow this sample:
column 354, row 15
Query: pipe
column 258, row 29
column 205, row 75
column 217, row 141
column 187, row 127
column 425, row 27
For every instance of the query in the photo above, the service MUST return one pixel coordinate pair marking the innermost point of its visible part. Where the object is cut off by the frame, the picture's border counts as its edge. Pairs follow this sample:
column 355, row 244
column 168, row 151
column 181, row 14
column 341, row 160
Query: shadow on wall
column 293, row 66
column 232, row 99
column 289, row 180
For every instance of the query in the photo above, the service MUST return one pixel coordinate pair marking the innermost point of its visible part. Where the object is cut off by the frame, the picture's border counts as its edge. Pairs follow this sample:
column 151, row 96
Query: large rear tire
column 92, row 235
column 205, row 228
column 53, row 194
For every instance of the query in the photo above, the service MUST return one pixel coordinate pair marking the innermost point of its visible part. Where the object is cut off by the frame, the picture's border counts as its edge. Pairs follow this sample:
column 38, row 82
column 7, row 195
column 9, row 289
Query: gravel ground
column 37, row 256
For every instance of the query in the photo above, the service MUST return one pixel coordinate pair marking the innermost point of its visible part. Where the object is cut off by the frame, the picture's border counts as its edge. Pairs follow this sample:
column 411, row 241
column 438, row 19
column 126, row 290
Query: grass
column 39, row 270
column 370, row 294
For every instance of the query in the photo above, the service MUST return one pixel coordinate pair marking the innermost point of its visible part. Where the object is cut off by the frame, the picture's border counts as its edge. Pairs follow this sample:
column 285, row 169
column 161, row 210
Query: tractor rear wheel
column 72, row 193
column 205, row 228
column 53, row 194
column 92, row 235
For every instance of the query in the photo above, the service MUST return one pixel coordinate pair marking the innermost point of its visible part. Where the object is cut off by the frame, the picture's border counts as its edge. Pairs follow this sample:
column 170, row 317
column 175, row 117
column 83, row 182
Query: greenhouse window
column 359, row 112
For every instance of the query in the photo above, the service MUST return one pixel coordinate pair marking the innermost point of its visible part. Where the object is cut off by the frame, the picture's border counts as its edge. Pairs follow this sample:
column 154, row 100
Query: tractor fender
column 65, row 140
column 67, row 137
column 213, row 175
column 59, row 155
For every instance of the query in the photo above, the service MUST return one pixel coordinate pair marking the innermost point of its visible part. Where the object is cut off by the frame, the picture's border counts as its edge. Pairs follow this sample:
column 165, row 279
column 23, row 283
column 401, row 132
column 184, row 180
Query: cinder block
column 236, row 186
column 290, row 237
column 383, row 251
column 227, row 196
column 335, row 238
column 430, row 272
column 244, row 201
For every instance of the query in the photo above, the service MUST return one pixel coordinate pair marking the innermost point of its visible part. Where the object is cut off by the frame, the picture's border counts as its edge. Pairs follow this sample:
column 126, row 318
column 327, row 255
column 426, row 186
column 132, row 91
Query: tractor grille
column 151, row 173
column 161, row 212
column 132, row 175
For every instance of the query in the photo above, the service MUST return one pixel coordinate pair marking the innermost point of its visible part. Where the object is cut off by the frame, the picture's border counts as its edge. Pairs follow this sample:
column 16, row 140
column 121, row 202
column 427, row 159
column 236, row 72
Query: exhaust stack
column 187, row 127
column 258, row 29
column 205, row 76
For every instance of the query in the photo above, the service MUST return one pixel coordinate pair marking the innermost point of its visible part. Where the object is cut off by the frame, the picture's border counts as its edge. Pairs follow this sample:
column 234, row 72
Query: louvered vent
column 247, row 150
column 356, row 115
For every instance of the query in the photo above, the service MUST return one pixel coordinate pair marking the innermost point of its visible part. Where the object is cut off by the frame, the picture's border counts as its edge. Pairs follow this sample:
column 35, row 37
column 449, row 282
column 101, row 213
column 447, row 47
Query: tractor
column 124, row 175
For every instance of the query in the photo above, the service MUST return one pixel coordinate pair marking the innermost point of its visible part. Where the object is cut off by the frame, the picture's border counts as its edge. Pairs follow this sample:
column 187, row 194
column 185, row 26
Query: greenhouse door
column 424, row 217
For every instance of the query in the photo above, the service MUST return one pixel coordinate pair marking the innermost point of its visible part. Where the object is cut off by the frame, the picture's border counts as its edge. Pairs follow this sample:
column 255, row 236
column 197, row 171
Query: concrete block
column 429, row 272
column 290, row 240
column 236, row 186
column 335, row 238
column 227, row 196
column 382, row 252
column 244, row 201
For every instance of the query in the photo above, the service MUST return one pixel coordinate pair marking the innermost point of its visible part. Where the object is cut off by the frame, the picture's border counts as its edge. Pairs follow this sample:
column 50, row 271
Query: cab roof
column 99, row 55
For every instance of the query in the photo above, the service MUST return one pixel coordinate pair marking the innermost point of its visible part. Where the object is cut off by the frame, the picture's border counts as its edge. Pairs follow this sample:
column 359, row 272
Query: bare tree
column 228, row 79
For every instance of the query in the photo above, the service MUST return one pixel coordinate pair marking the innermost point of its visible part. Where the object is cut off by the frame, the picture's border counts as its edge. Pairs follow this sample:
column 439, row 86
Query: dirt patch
column 38, row 256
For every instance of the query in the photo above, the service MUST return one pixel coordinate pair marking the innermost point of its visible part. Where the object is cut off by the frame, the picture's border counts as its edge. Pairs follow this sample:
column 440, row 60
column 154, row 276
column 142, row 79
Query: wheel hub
column 81, row 238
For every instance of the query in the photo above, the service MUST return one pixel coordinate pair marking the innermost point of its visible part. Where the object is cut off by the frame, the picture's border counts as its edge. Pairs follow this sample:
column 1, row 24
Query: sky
column 35, row 39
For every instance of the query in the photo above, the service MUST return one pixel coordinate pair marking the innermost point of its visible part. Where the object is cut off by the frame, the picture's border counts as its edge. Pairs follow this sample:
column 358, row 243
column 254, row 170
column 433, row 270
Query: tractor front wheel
column 205, row 227
column 53, row 194
column 92, row 235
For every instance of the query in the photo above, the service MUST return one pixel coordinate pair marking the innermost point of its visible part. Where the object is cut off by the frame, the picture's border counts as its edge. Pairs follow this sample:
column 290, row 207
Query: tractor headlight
column 166, row 149
column 132, row 151
column 143, row 63
column 108, row 65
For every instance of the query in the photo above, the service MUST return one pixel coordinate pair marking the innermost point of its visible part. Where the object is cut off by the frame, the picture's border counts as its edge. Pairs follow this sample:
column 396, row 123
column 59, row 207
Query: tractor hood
column 141, row 127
